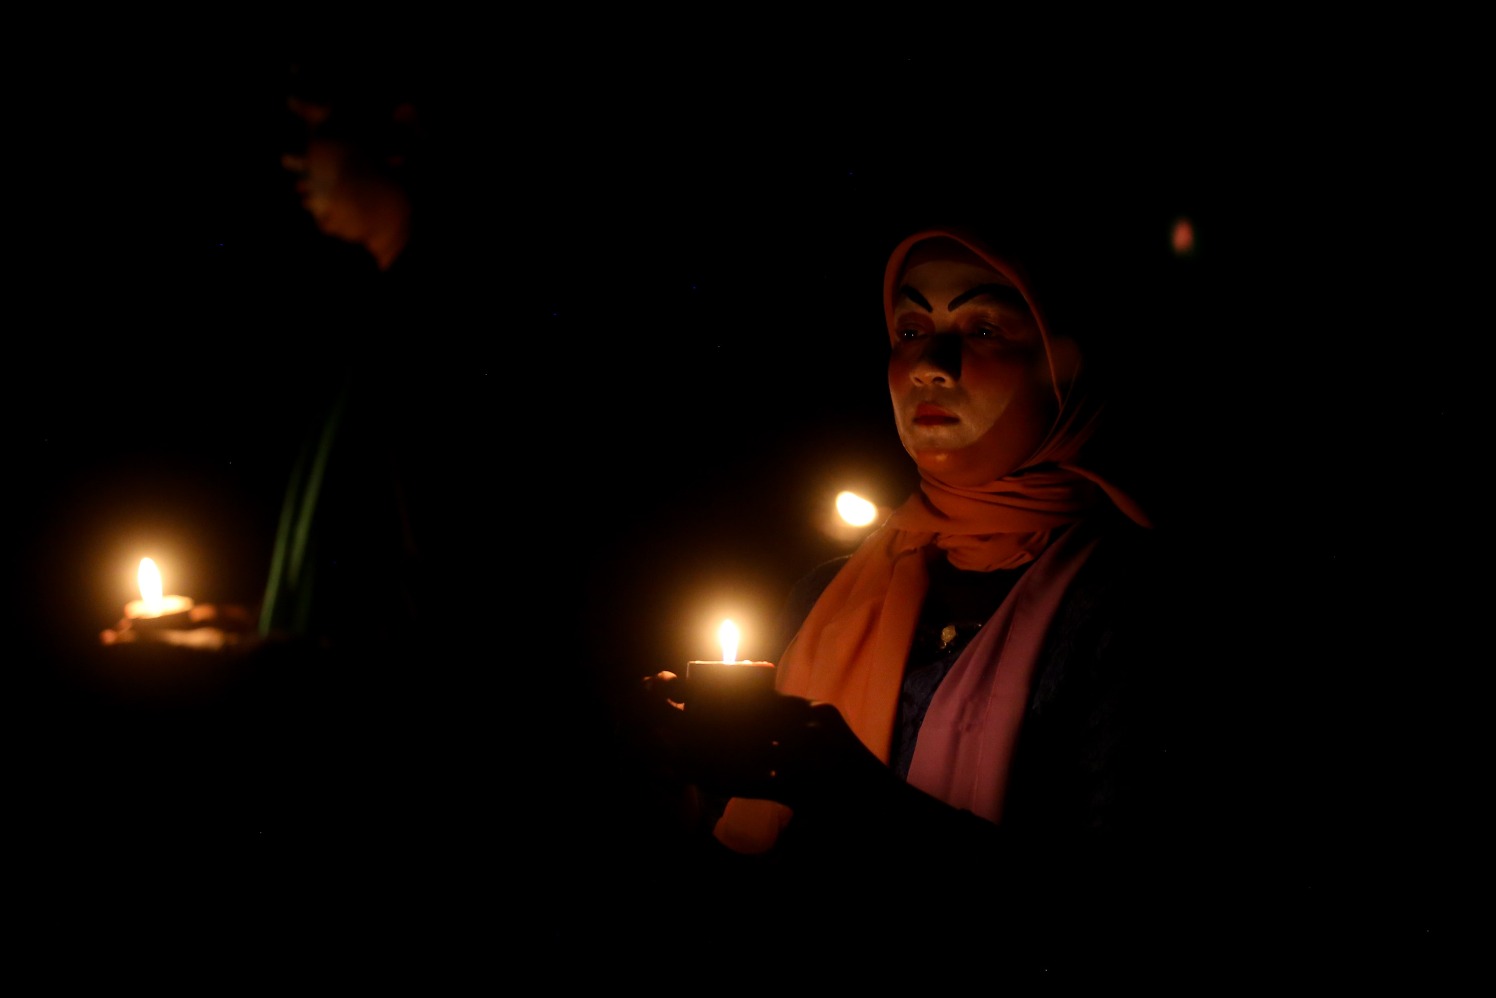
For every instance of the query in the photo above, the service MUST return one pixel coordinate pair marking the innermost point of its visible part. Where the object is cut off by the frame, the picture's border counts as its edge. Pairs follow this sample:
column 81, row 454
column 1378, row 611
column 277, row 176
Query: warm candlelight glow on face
column 728, row 635
column 150, row 587
column 856, row 510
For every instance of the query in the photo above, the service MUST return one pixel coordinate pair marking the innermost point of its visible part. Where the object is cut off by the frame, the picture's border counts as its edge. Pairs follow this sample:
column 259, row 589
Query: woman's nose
column 939, row 359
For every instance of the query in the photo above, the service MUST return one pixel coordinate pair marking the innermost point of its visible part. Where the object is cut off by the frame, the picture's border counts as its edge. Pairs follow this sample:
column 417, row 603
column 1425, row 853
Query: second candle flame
column 150, row 586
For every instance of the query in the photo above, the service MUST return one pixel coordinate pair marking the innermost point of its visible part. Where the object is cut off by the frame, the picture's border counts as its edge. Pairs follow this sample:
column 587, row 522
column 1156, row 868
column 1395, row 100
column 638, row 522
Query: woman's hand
column 772, row 746
column 208, row 626
column 819, row 763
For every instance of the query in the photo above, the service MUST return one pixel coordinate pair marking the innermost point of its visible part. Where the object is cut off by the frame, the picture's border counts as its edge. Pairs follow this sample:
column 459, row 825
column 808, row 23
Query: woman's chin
column 954, row 467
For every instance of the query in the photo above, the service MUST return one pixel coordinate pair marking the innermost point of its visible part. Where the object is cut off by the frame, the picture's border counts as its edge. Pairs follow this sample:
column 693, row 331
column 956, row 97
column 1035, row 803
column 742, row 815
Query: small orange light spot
column 1183, row 237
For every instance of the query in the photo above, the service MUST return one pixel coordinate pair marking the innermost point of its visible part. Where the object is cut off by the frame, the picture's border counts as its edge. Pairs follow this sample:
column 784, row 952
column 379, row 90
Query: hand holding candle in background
column 176, row 620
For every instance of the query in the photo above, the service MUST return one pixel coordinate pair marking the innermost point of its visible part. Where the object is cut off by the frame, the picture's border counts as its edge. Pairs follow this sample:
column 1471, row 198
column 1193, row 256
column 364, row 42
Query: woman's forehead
column 955, row 274
column 949, row 251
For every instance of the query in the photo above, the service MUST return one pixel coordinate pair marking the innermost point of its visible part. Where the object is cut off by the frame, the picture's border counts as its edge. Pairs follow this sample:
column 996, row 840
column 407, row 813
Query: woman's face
column 969, row 377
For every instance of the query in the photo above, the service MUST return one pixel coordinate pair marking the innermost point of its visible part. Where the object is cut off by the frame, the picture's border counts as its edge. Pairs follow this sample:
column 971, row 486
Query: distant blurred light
column 1183, row 237
column 856, row 510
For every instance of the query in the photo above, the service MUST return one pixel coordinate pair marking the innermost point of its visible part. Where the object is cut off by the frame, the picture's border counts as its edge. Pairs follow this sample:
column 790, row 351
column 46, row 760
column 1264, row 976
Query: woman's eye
column 908, row 334
column 986, row 332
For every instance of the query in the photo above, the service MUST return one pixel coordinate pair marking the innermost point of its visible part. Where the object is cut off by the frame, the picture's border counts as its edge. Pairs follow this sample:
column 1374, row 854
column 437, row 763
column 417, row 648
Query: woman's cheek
column 991, row 386
column 898, row 372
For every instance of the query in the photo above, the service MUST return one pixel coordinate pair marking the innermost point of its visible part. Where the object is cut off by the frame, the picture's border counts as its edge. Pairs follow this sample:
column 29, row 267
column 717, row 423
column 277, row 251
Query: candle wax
column 730, row 726
column 714, row 679
column 137, row 609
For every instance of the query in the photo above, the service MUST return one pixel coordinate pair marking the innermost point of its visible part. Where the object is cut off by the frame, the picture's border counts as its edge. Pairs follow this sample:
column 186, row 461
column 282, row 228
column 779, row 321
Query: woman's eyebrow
column 907, row 292
column 1002, row 292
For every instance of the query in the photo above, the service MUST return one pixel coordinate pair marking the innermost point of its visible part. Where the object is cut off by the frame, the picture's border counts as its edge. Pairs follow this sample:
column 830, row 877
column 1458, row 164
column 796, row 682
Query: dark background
column 675, row 263
column 673, row 272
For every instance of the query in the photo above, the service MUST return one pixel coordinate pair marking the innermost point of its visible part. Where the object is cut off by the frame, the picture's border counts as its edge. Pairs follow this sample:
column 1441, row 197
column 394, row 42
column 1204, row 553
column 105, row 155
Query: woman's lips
column 926, row 414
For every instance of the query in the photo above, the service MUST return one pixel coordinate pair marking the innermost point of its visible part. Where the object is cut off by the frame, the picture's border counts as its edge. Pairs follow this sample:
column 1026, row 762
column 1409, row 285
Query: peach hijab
column 852, row 647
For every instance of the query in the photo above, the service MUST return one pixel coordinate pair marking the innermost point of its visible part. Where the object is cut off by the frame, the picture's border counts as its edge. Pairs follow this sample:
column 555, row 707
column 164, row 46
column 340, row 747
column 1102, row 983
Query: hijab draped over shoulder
column 852, row 647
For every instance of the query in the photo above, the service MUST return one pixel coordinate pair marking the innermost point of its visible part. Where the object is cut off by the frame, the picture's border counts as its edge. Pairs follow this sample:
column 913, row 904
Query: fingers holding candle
column 668, row 685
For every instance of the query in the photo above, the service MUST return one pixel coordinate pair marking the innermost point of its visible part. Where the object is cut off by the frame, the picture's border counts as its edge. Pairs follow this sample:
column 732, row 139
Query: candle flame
column 150, row 586
column 728, row 635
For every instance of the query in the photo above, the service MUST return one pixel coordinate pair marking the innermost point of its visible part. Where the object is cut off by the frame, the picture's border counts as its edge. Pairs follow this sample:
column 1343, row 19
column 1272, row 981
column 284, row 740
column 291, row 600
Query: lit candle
column 729, row 709
column 152, row 604
column 727, row 675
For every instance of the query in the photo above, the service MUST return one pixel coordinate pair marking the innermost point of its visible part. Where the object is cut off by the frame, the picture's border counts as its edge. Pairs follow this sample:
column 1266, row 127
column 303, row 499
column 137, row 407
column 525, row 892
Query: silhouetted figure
column 337, row 728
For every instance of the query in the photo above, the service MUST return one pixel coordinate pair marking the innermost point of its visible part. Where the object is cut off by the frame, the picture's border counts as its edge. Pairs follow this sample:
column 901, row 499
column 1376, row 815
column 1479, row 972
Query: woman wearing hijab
column 975, row 705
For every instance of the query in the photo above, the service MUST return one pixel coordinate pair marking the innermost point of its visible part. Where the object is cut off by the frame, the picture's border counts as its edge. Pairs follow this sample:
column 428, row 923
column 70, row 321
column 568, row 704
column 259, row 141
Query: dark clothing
column 1098, row 713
